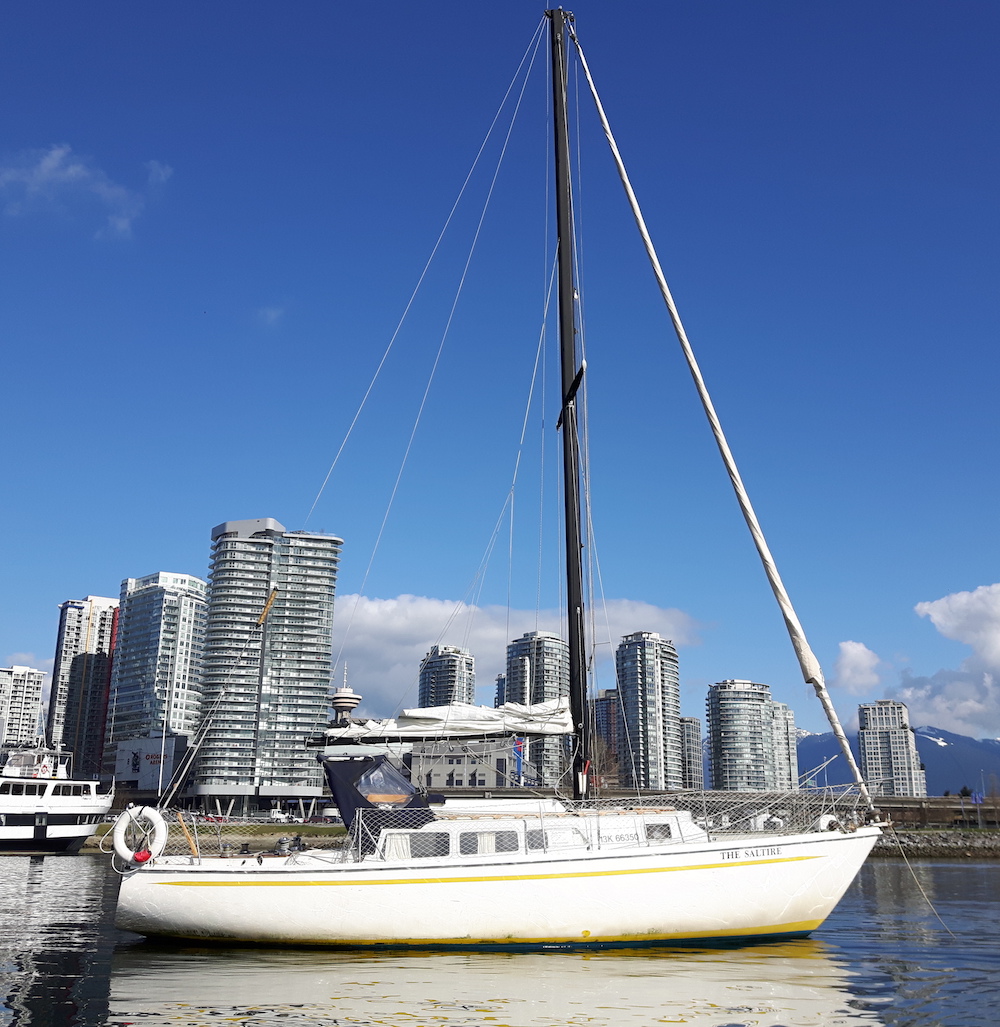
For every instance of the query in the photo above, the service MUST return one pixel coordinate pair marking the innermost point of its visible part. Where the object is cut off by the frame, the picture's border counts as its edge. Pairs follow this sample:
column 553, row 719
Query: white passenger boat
column 42, row 809
column 682, row 867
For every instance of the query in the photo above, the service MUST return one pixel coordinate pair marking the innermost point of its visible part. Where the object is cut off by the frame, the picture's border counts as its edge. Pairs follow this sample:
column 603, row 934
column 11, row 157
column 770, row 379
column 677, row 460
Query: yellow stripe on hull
column 477, row 880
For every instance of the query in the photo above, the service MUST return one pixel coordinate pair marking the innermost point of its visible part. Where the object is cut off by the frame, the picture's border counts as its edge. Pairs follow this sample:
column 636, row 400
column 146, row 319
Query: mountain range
column 951, row 762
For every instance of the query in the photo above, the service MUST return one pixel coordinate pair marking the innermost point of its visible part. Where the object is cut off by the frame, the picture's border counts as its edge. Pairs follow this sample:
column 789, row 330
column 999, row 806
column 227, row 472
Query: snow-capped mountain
column 950, row 761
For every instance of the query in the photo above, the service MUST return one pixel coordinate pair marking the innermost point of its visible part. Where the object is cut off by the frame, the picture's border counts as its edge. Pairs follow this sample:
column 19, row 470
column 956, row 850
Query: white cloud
column 58, row 180
column 387, row 638
column 856, row 669
column 970, row 617
column 966, row 700
column 158, row 172
column 270, row 315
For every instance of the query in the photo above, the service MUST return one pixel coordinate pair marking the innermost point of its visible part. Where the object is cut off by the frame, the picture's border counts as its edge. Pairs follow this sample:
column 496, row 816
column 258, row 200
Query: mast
column 572, row 375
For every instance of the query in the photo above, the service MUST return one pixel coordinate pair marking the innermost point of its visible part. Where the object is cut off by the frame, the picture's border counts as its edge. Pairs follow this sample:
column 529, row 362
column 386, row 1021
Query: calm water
column 882, row 958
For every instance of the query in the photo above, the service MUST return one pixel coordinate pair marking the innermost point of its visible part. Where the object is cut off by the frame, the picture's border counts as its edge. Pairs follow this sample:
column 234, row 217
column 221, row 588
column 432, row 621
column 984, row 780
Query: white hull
column 732, row 888
column 54, row 839
column 48, row 823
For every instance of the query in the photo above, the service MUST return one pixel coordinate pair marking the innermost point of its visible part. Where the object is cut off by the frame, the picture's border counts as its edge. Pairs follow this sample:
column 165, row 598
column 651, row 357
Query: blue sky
column 212, row 217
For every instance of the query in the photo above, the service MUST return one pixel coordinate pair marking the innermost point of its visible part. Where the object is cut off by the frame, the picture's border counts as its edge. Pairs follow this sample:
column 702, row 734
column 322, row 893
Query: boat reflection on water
column 776, row 984
column 55, row 947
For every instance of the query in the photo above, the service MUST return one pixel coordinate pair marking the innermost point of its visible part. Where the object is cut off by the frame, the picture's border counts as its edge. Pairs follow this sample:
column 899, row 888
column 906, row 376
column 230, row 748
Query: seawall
column 948, row 844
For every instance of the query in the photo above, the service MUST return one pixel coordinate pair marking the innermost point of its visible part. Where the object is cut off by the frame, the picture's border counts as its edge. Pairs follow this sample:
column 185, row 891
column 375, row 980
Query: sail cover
column 461, row 721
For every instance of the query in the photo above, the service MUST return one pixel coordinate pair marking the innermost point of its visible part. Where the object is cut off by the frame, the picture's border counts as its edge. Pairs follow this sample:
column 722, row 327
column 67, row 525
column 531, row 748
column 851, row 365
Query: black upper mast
column 572, row 374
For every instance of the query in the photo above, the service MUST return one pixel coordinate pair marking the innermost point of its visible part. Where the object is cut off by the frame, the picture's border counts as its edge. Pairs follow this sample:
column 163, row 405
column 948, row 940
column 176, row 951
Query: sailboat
column 521, row 873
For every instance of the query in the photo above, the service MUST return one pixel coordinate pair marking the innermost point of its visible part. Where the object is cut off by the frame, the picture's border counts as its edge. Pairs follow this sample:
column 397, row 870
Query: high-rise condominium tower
column 81, row 680
column 786, row 748
column 750, row 738
column 156, row 677
column 447, row 675
column 890, row 763
column 649, row 686
column 20, row 706
column 265, row 680
column 609, row 731
column 692, row 755
column 537, row 671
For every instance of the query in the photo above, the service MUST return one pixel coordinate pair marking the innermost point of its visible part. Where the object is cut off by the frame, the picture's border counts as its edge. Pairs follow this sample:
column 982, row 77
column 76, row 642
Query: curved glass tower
column 266, row 685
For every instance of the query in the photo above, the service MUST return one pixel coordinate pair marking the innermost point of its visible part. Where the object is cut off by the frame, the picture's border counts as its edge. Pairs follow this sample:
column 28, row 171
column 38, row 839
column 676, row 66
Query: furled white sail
column 461, row 720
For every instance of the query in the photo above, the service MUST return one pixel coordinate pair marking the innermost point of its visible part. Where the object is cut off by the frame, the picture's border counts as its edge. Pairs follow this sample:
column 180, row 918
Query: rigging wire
column 477, row 584
column 444, row 336
column 531, row 50
column 916, row 880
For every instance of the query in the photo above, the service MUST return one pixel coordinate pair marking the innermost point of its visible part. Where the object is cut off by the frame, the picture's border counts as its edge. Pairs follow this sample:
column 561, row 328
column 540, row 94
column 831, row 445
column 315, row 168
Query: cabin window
column 485, row 843
column 658, row 832
column 415, row 845
column 18, row 788
column 535, row 839
column 565, row 838
column 425, row 846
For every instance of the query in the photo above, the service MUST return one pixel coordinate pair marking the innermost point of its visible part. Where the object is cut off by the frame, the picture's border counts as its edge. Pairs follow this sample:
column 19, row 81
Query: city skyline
column 184, row 274
column 485, row 692
column 752, row 740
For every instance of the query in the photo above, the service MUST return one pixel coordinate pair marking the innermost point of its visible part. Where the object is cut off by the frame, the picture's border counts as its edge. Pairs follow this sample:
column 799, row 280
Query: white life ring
column 154, row 834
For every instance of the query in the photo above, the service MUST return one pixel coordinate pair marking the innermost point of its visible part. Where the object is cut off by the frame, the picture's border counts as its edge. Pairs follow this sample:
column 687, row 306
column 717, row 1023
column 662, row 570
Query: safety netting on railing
column 757, row 812
column 562, row 826
column 193, row 835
